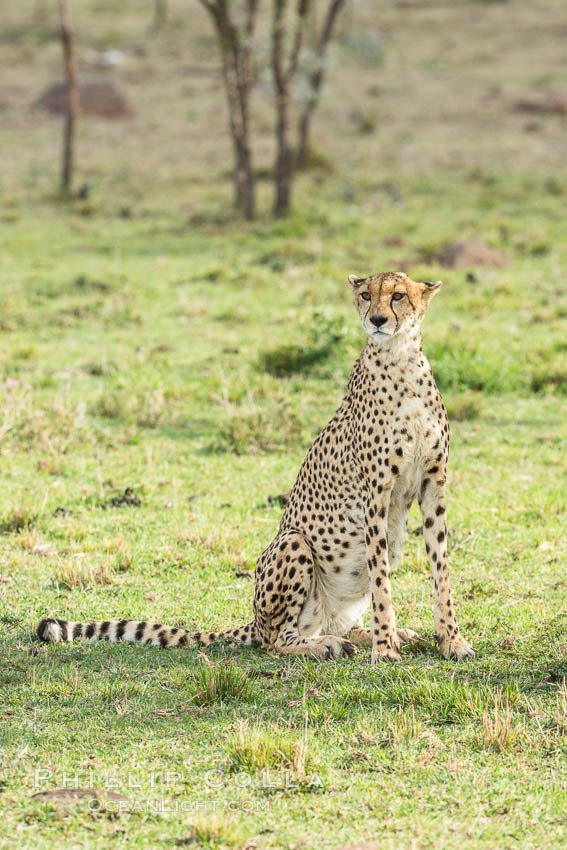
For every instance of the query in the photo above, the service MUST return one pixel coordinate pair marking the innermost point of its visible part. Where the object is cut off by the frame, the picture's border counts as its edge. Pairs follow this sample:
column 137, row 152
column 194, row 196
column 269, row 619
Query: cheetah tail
column 133, row 631
column 244, row 635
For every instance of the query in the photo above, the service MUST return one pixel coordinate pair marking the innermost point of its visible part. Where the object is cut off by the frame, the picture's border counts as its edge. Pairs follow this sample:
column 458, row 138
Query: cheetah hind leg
column 363, row 637
column 244, row 635
column 287, row 604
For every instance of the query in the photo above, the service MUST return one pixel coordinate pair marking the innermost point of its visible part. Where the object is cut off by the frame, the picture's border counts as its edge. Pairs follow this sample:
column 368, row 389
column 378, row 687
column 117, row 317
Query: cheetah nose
column 378, row 321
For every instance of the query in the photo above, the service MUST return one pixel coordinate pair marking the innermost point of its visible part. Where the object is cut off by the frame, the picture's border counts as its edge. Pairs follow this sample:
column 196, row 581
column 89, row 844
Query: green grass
column 192, row 358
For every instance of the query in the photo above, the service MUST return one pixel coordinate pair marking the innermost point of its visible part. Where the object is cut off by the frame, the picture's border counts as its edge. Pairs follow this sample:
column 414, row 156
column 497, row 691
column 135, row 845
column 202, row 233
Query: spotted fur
column 343, row 529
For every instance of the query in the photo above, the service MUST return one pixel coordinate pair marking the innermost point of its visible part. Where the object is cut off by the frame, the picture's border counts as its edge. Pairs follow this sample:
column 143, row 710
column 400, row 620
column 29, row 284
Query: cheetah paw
column 455, row 648
column 388, row 654
column 407, row 636
column 330, row 647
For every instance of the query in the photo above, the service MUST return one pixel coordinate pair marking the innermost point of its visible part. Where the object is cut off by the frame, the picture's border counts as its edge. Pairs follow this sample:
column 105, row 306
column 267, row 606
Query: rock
column 553, row 105
column 468, row 252
column 99, row 97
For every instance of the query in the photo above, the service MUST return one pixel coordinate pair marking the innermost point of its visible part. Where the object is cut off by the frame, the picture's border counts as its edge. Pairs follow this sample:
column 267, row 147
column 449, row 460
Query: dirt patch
column 100, row 98
column 364, row 845
column 396, row 242
column 127, row 499
column 97, row 799
column 281, row 499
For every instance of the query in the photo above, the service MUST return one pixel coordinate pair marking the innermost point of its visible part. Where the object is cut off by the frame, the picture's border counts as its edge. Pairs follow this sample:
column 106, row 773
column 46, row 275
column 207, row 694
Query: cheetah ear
column 429, row 289
column 354, row 280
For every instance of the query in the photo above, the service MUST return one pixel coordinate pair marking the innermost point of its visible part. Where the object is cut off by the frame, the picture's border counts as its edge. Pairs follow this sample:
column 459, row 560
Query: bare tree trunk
column 303, row 133
column 283, row 79
column 237, row 76
column 315, row 83
column 72, row 104
column 236, row 51
column 283, row 169
column 39, row 12
column 160, row 15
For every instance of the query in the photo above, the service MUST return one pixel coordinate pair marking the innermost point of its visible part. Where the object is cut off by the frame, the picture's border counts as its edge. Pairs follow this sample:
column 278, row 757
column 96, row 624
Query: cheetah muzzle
column 344, row 526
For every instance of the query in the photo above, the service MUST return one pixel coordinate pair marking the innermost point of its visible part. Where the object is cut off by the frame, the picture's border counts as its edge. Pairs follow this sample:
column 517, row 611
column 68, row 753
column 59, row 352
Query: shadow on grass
column 537, row 662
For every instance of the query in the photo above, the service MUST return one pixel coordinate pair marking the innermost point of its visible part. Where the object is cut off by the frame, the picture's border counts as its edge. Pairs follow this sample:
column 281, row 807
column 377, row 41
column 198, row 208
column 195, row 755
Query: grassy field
column 164, row 368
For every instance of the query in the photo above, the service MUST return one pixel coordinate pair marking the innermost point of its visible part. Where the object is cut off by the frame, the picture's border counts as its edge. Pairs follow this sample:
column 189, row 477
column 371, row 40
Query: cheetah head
column 391, row 304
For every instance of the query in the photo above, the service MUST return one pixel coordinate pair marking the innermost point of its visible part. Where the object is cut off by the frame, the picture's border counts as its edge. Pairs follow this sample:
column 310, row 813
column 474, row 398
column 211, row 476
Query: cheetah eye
column 366, row 296
column 397, row 296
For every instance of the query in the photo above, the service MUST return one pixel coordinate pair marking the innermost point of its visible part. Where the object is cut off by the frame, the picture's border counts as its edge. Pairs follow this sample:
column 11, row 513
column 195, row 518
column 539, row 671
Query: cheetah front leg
column 433, row 505
column 397, row 520
column 385, row 641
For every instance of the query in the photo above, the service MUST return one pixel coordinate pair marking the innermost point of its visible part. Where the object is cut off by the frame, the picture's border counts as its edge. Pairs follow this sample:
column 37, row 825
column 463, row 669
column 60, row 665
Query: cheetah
column 344, row 526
